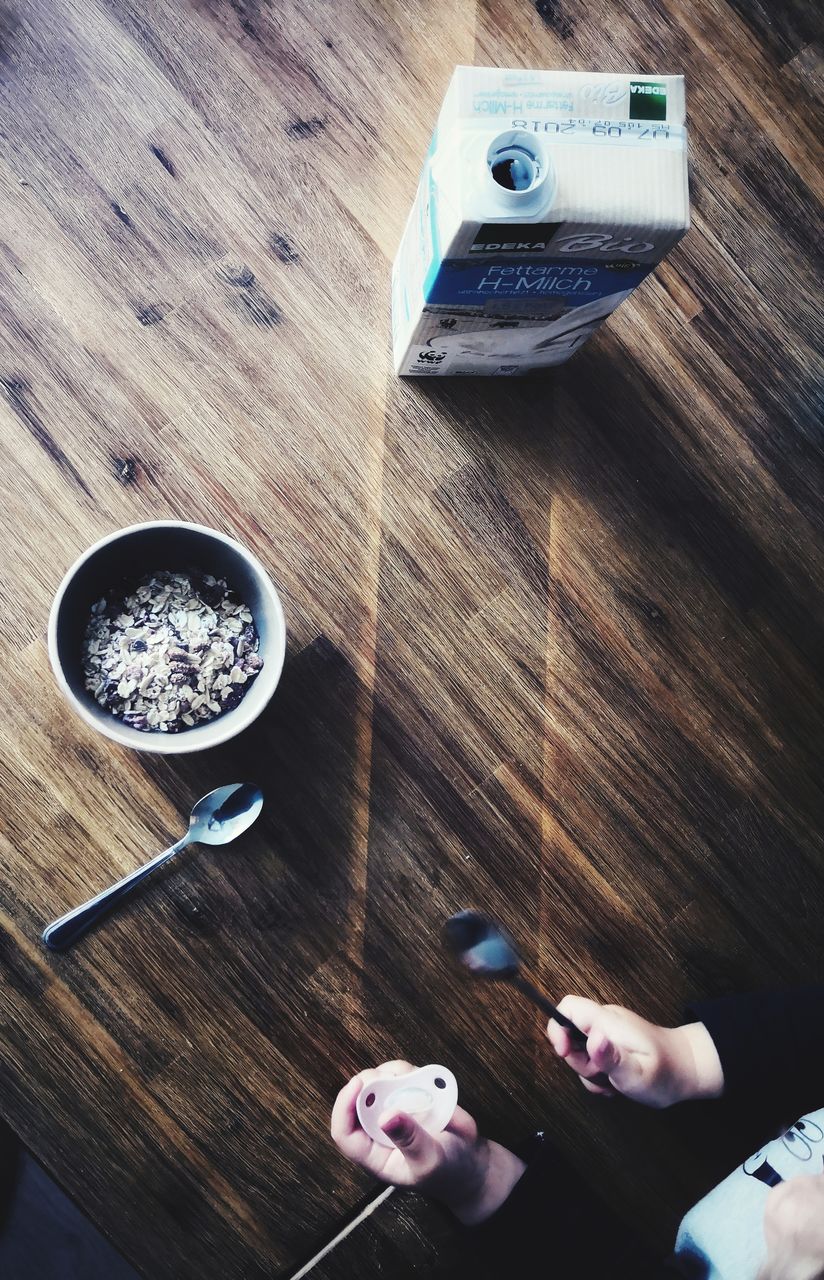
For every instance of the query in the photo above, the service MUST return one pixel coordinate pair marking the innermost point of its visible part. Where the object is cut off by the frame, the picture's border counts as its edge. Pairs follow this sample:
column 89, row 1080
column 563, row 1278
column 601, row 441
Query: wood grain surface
column 556, row 646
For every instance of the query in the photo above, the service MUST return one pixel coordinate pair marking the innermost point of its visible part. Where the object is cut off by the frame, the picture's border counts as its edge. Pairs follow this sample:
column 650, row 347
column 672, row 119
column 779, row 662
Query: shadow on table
column 613, row 433
column 289, row 875
column 636, row 476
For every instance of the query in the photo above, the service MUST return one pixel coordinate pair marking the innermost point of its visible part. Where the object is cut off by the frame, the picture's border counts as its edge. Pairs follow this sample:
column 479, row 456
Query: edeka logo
column 647, row 101
column 514, row 237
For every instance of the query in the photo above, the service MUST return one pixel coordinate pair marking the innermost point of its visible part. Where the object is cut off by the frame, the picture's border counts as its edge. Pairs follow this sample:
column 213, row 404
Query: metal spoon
column 217, row 818
column 488, row 952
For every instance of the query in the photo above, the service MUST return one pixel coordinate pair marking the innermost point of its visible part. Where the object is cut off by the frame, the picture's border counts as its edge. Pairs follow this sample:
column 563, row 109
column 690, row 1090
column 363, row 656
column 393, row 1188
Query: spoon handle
column 577, row 1036
column 65, row 931
column 532, row 993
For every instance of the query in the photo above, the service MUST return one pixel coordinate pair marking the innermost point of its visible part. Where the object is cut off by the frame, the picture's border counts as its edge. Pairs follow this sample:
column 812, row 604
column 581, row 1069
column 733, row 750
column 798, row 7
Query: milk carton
column 545, row 198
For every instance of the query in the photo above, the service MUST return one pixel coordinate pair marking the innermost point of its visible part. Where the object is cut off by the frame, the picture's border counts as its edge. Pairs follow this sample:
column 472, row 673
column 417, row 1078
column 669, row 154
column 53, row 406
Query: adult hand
column 654, row 1065
column 794, row 1230
column 470, row 1175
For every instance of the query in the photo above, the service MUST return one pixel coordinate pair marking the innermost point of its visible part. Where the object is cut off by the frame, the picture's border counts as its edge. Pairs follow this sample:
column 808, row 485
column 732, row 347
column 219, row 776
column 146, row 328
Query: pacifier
column 430, row 1094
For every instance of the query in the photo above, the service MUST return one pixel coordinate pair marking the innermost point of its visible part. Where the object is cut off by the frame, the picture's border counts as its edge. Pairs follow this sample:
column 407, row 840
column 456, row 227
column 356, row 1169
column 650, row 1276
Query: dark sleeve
column 771, row 1046
column 552, row 1225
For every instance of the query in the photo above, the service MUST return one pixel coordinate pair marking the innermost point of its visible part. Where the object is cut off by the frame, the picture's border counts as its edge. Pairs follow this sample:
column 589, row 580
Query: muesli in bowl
column 173, row 650
column 167, row 637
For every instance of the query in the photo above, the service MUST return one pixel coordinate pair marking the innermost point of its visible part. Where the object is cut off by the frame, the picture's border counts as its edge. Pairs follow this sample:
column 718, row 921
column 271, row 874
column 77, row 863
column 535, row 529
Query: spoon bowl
column 482, row 946
column 224, row 814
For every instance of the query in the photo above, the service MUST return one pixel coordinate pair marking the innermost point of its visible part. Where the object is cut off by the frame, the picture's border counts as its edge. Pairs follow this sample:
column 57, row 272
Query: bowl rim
column 170, row 744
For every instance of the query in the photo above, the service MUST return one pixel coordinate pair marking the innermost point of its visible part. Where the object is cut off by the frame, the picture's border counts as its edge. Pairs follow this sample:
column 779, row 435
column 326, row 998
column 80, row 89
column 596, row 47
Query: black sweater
column 771, row 1047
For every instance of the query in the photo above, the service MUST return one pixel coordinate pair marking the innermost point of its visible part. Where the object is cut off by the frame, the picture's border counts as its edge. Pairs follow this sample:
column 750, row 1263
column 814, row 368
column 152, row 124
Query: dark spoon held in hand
column 487, row 952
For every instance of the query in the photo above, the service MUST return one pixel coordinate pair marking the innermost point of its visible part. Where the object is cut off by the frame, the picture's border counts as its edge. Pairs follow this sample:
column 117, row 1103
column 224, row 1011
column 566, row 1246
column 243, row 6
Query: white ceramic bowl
column 130, row 553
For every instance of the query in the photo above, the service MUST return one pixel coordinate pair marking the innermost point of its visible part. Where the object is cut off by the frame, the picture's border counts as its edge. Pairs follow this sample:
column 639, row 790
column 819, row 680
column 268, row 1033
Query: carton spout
column 520, row 170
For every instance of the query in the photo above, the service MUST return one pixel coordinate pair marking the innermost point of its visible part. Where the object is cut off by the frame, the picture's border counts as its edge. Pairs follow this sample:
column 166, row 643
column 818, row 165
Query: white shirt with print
column 722, row 1237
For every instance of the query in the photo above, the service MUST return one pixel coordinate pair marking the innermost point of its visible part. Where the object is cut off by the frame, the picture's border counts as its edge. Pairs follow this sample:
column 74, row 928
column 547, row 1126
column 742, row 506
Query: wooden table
column 556, row 647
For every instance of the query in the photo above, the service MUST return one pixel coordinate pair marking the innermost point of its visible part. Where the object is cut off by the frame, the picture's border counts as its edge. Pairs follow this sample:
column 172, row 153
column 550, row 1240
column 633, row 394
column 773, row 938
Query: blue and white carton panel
column 545, row 198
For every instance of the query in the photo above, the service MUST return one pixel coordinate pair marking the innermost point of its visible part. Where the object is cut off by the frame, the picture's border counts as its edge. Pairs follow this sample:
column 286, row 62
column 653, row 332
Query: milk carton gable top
column 569, row 112
column 492, row 94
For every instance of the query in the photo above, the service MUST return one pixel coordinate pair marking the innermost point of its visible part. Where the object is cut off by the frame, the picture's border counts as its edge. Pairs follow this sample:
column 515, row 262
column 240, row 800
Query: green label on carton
column 647, row 100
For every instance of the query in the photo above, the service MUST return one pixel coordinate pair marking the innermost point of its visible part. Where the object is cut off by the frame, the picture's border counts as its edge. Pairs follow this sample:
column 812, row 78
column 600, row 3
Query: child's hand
column 654, row 1065
column 794, row 1230
column 471, row 1176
